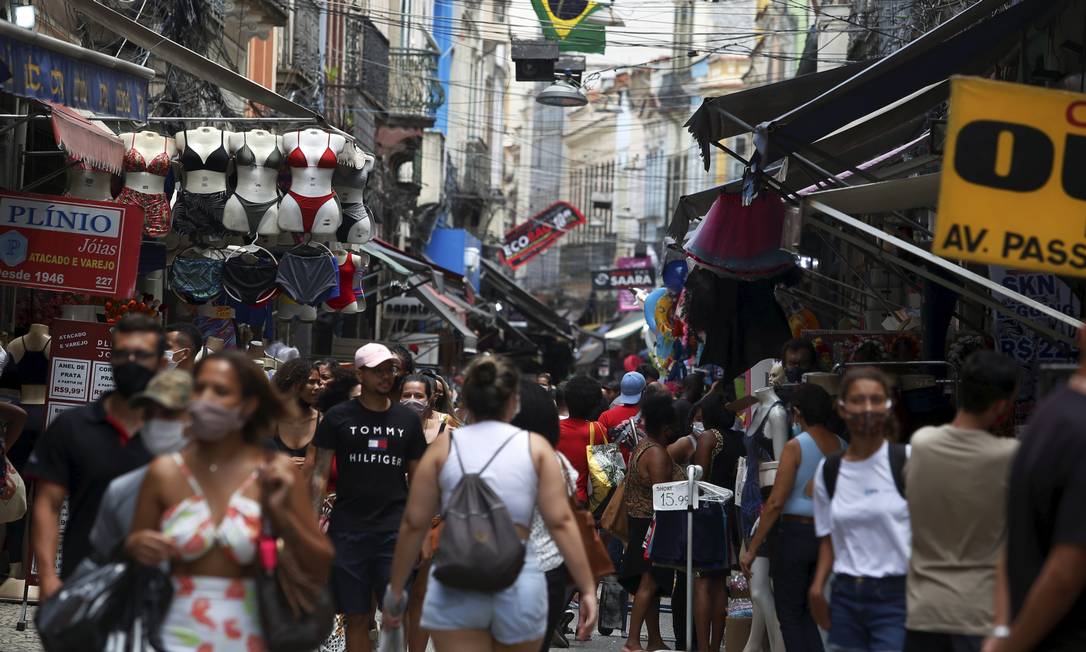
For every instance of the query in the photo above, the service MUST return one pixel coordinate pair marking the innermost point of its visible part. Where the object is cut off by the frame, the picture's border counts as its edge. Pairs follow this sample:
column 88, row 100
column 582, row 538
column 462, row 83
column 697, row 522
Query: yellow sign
column 1013, row 188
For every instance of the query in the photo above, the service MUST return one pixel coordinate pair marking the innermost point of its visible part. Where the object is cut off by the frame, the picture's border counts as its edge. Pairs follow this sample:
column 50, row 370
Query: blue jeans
column 867, row 614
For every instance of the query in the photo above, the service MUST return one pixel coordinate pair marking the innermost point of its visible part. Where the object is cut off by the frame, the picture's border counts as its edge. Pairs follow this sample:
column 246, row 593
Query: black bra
column 217, row 161
column 246, row 158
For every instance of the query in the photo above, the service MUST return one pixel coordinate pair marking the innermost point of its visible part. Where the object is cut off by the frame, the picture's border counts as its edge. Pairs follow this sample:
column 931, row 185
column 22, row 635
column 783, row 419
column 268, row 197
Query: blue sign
column 42, row 74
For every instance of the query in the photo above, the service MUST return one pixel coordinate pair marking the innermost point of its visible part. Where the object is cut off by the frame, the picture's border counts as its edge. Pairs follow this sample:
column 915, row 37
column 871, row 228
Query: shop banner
column 406, row 308
column 43, row 74
column 1022, row 343
column 79, row 371
column 627, row 300
column 528, row 240
column 623, row 279
column 63, row 244
column 1013, row 187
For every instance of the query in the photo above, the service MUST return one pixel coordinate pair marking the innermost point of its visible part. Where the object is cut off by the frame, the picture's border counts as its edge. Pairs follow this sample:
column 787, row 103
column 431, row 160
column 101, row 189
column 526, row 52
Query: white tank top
column 511, row 475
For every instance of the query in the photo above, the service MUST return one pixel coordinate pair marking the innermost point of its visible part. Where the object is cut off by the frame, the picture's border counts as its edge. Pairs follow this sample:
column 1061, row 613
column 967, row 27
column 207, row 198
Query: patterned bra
column 190, row 526
column 134, row 161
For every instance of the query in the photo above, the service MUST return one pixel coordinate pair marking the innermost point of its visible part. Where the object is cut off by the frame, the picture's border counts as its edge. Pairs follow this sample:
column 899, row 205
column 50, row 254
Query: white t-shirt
column 868, row 519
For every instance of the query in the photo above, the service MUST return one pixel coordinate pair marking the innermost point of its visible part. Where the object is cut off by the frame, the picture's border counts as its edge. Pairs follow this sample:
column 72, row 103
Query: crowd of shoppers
column 958, row 541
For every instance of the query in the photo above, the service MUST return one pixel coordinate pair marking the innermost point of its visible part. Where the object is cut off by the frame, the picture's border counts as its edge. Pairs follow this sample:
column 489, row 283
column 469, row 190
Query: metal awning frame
column 894, row 263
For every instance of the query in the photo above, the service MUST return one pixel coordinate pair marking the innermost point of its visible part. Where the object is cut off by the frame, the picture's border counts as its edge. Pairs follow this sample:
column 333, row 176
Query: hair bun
column 485, row 373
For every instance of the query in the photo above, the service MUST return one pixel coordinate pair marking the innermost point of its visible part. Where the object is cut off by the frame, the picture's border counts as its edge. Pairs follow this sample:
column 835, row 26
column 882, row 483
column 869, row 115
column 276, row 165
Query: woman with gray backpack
column 486, row 590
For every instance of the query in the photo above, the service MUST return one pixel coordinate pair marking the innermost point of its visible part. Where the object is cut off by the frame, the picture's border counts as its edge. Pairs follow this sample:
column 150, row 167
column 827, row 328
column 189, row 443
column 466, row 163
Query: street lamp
column 563, row 92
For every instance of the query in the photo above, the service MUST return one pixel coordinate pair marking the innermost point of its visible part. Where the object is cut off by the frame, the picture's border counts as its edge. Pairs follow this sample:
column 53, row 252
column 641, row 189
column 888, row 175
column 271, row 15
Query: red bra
column 298, row 159
column 134, row 161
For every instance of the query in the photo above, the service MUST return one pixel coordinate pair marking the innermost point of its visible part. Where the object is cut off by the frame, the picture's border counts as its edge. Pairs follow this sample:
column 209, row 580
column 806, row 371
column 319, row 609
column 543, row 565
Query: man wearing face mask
column 798, row 357
column 86, row 447
column 184, row 342
column 377, row 444
column 165, row 405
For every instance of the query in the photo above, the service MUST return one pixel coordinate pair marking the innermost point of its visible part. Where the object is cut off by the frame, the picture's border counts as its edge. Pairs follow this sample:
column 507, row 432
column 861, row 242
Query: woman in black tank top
column 299, row 380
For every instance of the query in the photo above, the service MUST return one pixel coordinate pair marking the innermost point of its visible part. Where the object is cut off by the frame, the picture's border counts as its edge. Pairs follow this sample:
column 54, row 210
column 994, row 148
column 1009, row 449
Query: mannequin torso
column 88, row 183
column 253, row 207
column 203, row 152
column 30, row 355
column 355, row 282
column 771, row 408
column 310, row 206
column 352, row 174
column 146, row 161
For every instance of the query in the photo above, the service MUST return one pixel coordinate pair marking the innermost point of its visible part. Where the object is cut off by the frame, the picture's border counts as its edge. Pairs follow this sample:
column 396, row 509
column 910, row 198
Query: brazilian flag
column 564, row 21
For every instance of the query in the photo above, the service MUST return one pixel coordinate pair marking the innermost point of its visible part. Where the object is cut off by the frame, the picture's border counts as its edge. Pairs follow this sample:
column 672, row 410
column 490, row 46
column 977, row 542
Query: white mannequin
column 299, row 333
column 36, row 340
column 359, row 271
column 311, row 182
column 256, row 183
column 88, row 183
column 775, row 414
column 203, row 141
column 149, row 145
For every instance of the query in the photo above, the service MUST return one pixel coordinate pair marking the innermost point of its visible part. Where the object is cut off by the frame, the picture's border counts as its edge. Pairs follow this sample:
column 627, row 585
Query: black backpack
column 480, row 549
column 898, row 457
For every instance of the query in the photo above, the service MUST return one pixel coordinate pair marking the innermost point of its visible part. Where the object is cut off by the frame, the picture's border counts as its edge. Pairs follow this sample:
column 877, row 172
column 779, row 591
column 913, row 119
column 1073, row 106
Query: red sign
column 64, row 244
column 79, row 370
column 526, row 241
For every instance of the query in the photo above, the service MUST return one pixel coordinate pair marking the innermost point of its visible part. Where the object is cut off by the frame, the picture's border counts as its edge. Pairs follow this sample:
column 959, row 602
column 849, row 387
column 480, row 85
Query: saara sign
column 1013, row 187
column 624, row 279
column 525, row 241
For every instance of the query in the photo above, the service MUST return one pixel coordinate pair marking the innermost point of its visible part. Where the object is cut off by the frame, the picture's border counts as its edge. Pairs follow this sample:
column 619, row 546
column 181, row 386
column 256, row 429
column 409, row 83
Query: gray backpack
column 480, row 549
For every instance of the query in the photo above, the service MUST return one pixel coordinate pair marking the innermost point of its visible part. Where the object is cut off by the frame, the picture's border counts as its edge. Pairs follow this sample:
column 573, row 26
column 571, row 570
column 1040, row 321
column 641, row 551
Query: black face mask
column 795, row 374
column 131, row 378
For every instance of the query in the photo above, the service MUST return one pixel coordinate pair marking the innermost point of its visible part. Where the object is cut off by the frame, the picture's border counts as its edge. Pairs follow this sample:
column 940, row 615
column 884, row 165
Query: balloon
column 650, row 307
column 675, row 275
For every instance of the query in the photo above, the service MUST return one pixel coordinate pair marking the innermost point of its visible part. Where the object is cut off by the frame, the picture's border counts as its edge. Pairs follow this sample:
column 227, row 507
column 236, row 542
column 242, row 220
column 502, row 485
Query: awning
column 85, row 140
column 882, row 196
column 49, row 69
column 968, row 43
column 381, row 254
column 428, row 295
column 716, row 120
column 504, row 288
column 629, row 325
column 199, row 66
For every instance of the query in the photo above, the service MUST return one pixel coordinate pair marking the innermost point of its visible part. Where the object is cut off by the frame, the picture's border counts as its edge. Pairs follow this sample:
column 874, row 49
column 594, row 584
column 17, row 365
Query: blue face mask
column 796, row 430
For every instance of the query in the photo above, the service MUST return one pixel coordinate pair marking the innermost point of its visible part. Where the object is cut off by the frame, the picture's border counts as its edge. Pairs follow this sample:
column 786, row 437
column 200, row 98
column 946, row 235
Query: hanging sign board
column 624, row 279
column 79, row 371
column 675, row 496
column 406, row 308
column 1013, row 188
column 69, row 245
column 528, row 240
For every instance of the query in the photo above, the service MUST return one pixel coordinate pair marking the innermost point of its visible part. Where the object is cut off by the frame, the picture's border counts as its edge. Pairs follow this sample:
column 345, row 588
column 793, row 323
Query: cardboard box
column 736, row 633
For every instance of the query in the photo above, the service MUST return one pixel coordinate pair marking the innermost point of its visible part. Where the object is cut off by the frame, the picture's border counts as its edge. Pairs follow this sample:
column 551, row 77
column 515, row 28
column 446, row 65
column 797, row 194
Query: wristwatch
column 1001, row 631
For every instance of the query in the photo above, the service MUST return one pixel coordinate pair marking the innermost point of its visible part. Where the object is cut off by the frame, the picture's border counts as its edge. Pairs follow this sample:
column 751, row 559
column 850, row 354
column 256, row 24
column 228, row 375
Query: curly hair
column 292, row 375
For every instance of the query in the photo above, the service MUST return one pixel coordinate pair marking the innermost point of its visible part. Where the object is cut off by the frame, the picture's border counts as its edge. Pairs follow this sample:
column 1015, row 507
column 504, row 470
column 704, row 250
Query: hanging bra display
column 356, row 227
column 250, row 277
column 310, row 206
column 196, row 279
column 255, row 211
column 347, row 291
column 308, row 274
column 200, row 214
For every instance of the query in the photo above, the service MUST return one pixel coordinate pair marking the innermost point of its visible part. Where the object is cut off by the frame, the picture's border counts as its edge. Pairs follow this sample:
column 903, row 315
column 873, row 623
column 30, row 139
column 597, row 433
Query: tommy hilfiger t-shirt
column 372, row 452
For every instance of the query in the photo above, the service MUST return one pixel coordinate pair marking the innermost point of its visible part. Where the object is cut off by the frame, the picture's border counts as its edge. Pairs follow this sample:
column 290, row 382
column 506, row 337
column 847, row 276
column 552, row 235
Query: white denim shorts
column 517, row 614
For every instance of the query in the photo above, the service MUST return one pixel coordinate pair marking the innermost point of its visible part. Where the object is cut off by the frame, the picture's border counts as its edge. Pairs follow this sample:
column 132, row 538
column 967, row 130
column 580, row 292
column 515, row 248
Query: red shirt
column 617, row 415
column 573, row 443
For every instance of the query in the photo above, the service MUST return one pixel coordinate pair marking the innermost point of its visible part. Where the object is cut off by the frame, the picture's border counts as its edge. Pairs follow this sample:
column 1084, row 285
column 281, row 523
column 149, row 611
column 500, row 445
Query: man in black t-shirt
column 377, row 444
column 1046, row 538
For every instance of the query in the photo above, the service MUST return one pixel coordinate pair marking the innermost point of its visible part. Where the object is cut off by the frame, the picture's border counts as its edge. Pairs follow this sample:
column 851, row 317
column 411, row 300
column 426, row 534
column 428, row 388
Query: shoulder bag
column 598, row 558
column 297, row 613
column 616, row 517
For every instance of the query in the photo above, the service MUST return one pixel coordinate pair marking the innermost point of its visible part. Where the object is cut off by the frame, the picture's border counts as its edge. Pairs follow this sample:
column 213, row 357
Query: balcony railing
column 414, row 90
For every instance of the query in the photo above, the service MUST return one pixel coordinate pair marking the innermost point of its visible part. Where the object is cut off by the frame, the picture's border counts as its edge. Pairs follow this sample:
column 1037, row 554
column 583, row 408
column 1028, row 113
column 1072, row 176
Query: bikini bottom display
column 309, row 275
column 199, row 214
column 156, row 210
column 309, row 207
column 196, row 279
column 250, row 278
column 356, row 227
column 254, row 212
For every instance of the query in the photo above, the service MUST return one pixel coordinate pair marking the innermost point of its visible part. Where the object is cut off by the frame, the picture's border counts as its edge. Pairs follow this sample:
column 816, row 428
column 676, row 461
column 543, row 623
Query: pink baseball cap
column 372, row 355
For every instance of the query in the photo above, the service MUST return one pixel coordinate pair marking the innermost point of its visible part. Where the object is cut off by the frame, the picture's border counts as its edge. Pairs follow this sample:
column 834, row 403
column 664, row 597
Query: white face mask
column 171, row 362
column 698, row 427
column 161, row 436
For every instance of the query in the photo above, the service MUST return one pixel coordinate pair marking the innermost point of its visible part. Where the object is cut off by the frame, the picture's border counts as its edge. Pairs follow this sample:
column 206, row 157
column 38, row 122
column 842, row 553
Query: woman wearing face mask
column 202, row 509
column 417, row 393
column 299, row 380
column 795, row 550
column 861, row 515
